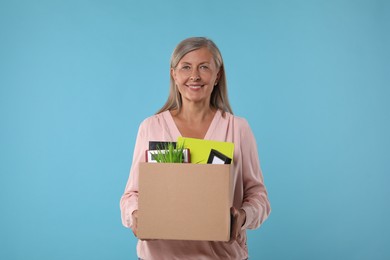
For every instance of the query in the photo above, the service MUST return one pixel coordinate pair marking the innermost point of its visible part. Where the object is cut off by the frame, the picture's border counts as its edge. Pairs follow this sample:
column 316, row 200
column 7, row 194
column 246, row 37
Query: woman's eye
column 204, row 67
column 186, row 67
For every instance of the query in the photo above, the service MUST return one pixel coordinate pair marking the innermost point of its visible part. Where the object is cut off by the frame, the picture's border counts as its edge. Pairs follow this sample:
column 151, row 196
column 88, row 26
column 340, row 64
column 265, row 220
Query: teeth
column 195, row 87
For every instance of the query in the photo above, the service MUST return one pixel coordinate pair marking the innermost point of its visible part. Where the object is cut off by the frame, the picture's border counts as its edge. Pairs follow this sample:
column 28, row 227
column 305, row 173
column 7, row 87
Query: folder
column 200, row 148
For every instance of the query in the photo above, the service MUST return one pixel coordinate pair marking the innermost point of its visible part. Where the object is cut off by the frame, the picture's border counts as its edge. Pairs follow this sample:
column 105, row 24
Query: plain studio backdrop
column 311, row 77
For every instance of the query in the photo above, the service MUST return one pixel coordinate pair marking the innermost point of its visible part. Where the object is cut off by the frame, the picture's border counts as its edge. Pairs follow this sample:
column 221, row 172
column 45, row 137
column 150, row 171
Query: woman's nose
column 195, row 75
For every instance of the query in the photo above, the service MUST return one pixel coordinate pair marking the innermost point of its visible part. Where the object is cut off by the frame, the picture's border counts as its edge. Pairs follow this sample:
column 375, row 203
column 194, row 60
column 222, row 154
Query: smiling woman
column 195, row 76
column 219, row 98
column 198, row 107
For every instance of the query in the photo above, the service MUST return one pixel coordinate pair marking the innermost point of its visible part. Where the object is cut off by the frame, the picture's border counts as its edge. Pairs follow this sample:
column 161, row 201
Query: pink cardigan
column 249, row 191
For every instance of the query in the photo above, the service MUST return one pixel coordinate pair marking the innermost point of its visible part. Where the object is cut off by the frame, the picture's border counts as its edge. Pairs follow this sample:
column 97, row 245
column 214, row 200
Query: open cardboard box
column 184, row 201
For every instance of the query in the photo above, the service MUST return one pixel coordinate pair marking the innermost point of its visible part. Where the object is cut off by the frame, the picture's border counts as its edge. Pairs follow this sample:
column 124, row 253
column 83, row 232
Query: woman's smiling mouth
column 194, row 86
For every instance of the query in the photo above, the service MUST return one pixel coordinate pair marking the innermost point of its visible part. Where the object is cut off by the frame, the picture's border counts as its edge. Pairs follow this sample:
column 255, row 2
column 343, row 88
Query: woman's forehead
column 202, row 55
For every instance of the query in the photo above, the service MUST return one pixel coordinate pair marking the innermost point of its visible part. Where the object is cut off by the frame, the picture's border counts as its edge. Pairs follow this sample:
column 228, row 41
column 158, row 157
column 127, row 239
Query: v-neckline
column 209, row 131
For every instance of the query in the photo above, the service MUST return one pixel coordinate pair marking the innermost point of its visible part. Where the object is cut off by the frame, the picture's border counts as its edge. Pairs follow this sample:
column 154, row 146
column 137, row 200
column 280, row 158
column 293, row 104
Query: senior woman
column 198, row 107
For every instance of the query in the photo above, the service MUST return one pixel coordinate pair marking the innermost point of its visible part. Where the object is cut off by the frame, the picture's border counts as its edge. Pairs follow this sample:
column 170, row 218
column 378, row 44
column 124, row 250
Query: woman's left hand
column 238, row 220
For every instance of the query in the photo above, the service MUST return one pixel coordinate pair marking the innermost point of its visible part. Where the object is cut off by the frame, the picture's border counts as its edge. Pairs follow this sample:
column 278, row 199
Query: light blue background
column 311, row 77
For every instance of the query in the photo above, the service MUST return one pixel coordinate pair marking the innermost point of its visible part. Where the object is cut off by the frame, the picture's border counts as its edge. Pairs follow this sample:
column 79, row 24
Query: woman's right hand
column 134, row 217
column 134, row 227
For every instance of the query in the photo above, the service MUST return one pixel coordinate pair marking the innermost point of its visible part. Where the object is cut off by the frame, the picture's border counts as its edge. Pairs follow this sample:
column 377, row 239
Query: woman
column 198, row 107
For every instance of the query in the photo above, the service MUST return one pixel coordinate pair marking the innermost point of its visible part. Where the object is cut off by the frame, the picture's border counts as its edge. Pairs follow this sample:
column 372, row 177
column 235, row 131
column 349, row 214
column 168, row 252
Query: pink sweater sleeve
column 255, row 200
column 129, row 200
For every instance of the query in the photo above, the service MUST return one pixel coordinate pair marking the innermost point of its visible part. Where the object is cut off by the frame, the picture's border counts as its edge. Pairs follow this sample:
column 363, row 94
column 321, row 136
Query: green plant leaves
column 169, row 154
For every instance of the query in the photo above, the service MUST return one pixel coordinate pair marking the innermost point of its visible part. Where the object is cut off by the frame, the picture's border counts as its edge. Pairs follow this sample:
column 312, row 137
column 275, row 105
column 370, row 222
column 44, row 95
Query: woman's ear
column 173, row 74
column 218, row 77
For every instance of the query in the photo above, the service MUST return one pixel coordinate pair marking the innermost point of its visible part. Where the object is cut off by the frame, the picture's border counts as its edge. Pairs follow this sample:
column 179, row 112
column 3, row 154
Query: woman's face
column 195, row 76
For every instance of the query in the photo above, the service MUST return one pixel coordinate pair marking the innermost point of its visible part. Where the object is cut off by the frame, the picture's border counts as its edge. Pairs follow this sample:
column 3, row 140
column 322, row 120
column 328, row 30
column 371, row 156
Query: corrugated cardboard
column 184, row 201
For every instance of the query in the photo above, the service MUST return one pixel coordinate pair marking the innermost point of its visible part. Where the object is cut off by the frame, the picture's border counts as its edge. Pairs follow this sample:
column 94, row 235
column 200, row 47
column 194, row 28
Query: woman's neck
column 193, row 121
column 194, row 114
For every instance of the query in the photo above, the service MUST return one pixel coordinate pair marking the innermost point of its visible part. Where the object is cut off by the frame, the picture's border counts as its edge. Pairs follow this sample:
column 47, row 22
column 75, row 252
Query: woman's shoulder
column 154, row 120
column 239, row 121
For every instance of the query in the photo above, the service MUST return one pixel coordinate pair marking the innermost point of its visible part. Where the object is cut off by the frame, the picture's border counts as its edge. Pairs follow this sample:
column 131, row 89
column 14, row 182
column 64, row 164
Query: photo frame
column 216, row 157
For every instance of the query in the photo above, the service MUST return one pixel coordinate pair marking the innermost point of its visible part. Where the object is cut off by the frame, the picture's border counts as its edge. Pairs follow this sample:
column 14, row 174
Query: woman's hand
column 134, row 217
column 238, row 220
column 134, row 227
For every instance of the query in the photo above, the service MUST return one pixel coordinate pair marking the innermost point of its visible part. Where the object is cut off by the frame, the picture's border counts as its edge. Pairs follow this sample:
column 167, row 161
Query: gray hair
column 219, row 97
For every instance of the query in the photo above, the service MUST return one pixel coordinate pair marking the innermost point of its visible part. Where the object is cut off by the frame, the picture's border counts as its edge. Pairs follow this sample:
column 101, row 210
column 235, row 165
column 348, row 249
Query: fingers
column 134, row 217
column 238, row 220
column 134, row 227
column 234, row 226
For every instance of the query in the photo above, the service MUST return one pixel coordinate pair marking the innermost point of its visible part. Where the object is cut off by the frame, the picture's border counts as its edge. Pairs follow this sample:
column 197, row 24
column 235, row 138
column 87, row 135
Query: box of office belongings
column 184, row 201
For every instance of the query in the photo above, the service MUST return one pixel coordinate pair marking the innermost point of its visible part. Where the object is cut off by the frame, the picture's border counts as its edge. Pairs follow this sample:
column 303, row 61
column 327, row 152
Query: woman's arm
column 255, row 201
column 129, row 200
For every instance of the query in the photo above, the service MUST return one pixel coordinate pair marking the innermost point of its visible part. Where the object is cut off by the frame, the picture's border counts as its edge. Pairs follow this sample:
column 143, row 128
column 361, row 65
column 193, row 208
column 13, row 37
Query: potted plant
column 168, row 153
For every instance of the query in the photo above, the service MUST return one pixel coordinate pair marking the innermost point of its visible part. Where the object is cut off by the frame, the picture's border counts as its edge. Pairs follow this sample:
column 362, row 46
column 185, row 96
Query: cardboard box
column 184, row 201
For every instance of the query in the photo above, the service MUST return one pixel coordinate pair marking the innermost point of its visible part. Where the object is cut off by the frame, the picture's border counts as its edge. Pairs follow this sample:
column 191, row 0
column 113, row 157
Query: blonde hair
column 219, row 96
